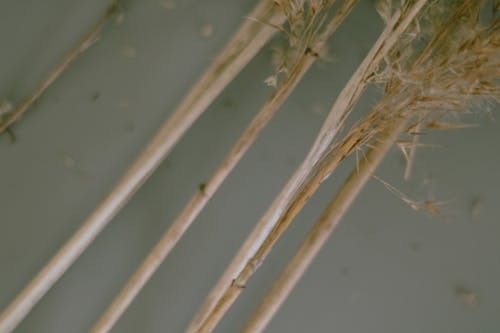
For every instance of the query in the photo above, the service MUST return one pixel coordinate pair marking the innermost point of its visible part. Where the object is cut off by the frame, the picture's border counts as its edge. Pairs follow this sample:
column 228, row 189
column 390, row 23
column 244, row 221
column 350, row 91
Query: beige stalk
column 244, row 45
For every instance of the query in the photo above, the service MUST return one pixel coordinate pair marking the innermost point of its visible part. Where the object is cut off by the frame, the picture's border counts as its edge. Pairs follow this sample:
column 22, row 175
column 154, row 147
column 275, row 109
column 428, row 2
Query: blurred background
column 386, row 268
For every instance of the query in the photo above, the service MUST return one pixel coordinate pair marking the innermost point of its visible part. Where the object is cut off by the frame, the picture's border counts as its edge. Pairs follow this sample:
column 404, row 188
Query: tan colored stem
column 202, row 196
column 82, row 45
column 413, row 151
column 240, row 50
column 197, row 203
column 257, row 245
column 322, row 230
column 191, row 211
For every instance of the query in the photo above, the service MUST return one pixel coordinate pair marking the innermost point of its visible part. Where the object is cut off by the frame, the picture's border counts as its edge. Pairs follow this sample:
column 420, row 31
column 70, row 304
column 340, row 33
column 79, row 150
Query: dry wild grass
column 279, row 215
column 302, row 51
column 9, row 118
column 244, row 45
column 458, row 67
column 432, row 58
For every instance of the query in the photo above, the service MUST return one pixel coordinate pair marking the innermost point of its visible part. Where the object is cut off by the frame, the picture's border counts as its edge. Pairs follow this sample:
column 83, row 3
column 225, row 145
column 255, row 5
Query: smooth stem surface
column 201, row 197
column 241, row 49
column 198, row 201
column 82, row 45
column 246, row 260
column 323, row 228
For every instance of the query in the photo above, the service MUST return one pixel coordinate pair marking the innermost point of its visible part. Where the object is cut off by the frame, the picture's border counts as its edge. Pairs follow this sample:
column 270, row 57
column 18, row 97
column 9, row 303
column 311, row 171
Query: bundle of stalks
column 432, row 59
column 309, row 32
column 458, row 67
column 243, row 46
column 289, row 202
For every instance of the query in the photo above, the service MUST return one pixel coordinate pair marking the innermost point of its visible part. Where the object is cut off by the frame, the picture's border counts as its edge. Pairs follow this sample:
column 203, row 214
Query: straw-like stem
column 82, row 45
column 409, row 95
column 240, row 50
column 246, row 260
column 203, row 195
column 320, row 232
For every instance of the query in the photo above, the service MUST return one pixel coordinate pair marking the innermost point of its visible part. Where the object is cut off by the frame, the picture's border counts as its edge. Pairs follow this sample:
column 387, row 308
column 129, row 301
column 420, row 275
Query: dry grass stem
column 84, row 43
column 410, row 155
column 240, row 50
column 319, row 234
column 296, row 68
column 259, row 243
column 410, row 85
column 432, row 58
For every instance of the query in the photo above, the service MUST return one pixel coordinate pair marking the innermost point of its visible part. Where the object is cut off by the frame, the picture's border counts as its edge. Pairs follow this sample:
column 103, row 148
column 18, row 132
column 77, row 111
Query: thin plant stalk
column 193, row 208
column 244, row 45
column 410, row 159
column 410, row 99
column 246, row 260
column 83, row 44
column 320, row 232
column 204, row 194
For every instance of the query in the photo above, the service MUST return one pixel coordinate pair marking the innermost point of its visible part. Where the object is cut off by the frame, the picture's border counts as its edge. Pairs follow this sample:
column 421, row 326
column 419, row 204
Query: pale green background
column 386, row 269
